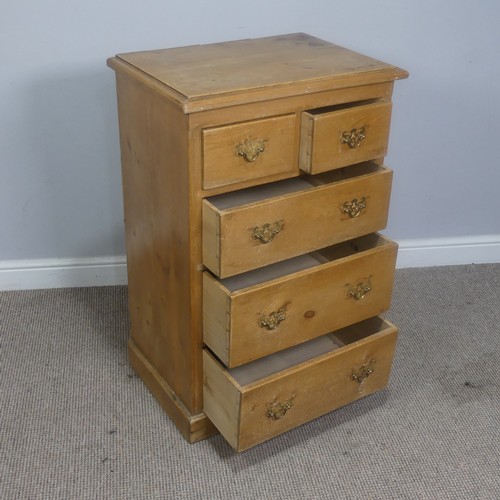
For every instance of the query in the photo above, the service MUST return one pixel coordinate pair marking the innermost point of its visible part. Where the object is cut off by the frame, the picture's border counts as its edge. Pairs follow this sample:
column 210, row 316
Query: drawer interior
column 340, row 107
column 269, row 365
column 302, row 262
column 257, row 194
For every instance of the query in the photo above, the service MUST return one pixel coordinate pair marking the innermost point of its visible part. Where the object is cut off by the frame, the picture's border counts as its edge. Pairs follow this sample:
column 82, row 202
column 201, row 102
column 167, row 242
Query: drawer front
column 251, row 322
column 250, row 150
column 247, row 414
column 253, row 235
column 339, row 138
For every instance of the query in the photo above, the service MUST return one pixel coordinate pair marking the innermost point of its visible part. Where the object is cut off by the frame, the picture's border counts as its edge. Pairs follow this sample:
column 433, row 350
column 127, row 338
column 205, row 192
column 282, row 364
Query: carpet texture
column 76, row 423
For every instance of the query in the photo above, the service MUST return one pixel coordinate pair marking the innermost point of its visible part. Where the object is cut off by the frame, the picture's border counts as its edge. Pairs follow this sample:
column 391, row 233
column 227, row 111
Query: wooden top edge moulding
column 210, row 76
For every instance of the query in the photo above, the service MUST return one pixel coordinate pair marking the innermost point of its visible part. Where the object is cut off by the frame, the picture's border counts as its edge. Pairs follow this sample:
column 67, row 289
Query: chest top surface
column 272, row 64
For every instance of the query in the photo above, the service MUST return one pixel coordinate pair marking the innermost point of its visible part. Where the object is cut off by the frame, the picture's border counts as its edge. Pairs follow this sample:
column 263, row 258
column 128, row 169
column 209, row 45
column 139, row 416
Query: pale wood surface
column 271, row 272
column 222, row 165
column 222, row 400
column 310, row 219
column 235, row 199
column 216, row 316
column 156, row 205
column 316, row 301
column 315, row 386
column 248, row 111
column 178, row 109
column 260, row 69
column 321, row 148
column 194, row 427
column 211, row 247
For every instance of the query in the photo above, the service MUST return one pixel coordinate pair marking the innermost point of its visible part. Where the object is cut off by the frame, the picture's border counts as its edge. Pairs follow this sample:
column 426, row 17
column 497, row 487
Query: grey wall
column 60, row 192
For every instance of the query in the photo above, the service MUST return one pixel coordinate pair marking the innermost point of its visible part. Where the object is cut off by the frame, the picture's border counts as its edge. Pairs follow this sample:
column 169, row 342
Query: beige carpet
column 76, row 423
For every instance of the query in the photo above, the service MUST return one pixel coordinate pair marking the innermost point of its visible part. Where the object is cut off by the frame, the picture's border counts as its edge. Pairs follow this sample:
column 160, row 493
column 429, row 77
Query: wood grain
column 316, row 301
column 194, row 427
column 310, row 219
column 156, row 205
column 222, row 398
column 315, row 386
column 180, row 112
column 222, row 165
column 229, row 73
column 321, row 147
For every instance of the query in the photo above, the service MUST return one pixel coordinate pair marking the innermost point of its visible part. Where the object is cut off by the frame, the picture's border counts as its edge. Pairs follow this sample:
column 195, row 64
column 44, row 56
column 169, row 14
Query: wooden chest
column 254, row 187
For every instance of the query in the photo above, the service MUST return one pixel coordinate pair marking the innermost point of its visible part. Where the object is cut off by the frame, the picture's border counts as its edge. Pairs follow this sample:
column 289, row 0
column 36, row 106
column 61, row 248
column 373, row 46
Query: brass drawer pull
column 250, row 149
column 354, row 207
column 363, row 372
column 353, row 138
column 267, row 232
column 278, row 410
column 272, row 321
column 359, row 291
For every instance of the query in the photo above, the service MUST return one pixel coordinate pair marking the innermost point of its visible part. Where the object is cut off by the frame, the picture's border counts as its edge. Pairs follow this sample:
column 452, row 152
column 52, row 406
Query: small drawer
column 336, row 137
column 257, row 401
column 251, row 150
column 253, row 227
column 260, row 312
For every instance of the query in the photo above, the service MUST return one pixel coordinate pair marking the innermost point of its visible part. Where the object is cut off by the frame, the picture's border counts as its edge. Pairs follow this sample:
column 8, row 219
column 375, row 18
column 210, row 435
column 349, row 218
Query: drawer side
column 221, row 399
column 211, row 242
column 306, row 141
column 216, row 317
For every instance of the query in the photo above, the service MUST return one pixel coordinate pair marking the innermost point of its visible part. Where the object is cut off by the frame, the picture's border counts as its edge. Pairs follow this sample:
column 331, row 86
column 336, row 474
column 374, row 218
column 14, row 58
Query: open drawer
column 253, row 227
column 259, row 400
column 275, row 307
column 341, row 135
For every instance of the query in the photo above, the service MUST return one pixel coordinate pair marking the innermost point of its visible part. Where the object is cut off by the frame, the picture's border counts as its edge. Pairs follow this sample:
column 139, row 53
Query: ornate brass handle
column 353, row 137
column 354, row 207
column 267, row 232
column 272, row 321
column 363, row 372
column 276, row 411
column 359, row 291
column 250, row 149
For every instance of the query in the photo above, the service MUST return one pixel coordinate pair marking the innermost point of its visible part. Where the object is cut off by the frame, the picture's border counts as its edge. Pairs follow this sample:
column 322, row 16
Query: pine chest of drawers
column 254, row 187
